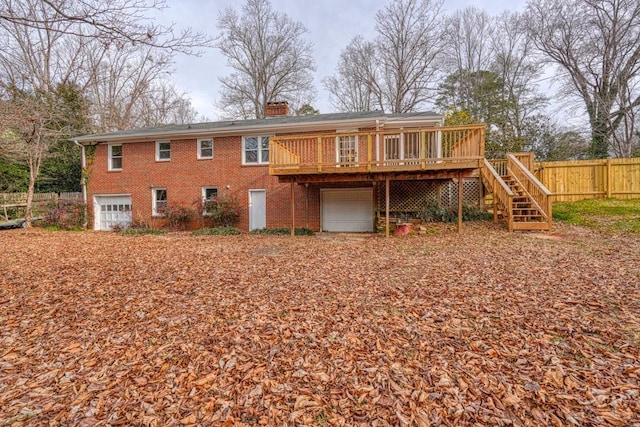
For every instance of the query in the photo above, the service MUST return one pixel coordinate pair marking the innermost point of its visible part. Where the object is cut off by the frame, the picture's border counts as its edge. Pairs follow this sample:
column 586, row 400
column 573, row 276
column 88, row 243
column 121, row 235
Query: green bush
column 434, row 212
column 283, row 231
column 216, row 231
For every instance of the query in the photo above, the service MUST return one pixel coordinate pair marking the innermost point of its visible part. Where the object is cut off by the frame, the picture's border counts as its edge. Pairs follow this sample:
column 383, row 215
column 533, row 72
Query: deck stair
column 517, row 196
column 525, row 214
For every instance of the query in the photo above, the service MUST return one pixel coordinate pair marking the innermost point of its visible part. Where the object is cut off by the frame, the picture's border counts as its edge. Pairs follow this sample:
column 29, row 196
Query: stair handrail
column 539, row 194
column 501, row 193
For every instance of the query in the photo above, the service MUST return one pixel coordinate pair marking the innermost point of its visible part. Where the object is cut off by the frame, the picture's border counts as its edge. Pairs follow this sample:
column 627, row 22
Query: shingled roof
column 271, row 124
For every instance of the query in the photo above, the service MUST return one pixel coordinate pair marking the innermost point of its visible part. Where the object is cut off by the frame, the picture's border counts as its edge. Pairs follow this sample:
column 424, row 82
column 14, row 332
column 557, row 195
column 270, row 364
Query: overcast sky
column 331, row 25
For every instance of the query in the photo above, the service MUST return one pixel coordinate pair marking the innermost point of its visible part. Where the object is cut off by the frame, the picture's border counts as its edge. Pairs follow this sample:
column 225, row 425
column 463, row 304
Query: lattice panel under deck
column 413, row 196
column 407, row 196
column 471, row 193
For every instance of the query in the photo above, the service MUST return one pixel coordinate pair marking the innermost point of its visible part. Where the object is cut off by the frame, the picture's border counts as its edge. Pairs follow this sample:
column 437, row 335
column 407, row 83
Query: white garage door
column 347, row 210
column 111, row 211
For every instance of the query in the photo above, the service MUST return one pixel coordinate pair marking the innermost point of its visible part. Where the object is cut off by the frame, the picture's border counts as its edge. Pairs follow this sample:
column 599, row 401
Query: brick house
column 327, row 172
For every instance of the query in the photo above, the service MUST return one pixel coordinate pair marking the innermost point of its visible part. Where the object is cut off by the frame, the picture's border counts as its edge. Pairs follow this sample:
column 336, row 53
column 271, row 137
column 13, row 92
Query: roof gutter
column 223, row 131
column 237, row 130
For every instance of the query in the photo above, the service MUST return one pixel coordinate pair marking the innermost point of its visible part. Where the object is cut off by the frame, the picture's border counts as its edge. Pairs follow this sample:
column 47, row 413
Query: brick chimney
column 276, row 109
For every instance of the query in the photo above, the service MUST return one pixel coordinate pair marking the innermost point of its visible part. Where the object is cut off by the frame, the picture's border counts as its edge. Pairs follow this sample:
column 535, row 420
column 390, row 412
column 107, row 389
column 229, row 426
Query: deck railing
column 502, row 194
column 376, row 151
column 540, row 196
column 526, row 158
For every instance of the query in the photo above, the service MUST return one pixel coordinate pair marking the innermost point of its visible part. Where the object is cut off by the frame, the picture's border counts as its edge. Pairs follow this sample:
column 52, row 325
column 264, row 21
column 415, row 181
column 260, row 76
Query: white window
column 115, row 157
column 159, row 196
column 163, row 151
column 255, row 150
column 209, row 194
column 347, row 150
column 205, row 148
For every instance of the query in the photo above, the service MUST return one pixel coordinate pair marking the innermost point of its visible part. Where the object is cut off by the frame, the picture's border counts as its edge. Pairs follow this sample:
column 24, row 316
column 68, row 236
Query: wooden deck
column 414, row 150
column 439, row 152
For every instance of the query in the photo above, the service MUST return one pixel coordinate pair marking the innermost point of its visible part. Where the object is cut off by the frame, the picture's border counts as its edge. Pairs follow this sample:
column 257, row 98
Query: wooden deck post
column 459, row 202
column 306, row 205
column 293, row 209
column 319, row 154
column 386, row 201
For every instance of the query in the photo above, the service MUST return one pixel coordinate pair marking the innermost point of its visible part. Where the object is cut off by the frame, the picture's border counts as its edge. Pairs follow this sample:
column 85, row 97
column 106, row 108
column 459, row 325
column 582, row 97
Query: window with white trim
column 163, row 151
column 159, row 197
column 347, row 150
column 255, row 150
column 115, row 157
column 209, row 195
column 205, row 148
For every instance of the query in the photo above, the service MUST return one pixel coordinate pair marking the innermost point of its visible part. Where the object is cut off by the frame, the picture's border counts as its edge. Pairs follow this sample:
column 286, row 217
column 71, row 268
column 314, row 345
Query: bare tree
column 123, row 83
column 52, row 43
column 513, row 61
column 270, row 60
column 166, row 105
column 121, row 80
column 468, row 40
column 396, row 72
column 354, row 87
column 39, row 58
column 410, row 43
column 113, row 22
column 27, row 132
column 625, row 140
column 596, row 45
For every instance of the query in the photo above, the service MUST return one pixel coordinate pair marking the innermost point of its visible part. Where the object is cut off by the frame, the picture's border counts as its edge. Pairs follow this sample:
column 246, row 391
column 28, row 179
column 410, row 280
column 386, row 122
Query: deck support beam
column 460, row 202
column 293, row 209
column 386, row 207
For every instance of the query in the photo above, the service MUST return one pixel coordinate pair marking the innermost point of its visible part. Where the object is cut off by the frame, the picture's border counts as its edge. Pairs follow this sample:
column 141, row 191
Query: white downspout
column 83, row 165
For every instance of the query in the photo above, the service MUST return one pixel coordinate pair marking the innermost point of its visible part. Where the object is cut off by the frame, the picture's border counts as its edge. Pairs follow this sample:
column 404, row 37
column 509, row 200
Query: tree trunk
column 30, row 192
column 599, row 147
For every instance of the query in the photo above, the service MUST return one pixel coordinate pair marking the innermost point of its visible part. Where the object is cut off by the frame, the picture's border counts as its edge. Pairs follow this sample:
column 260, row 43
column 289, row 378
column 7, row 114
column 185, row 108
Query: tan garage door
column 347, row 210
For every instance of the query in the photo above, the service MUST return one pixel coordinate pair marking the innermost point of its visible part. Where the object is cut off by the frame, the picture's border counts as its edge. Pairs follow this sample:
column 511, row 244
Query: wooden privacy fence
column 19, row 200
column 591, row 179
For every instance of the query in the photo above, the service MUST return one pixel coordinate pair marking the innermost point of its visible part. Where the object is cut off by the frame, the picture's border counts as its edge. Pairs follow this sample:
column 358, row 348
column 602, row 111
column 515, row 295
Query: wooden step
column 530, row 226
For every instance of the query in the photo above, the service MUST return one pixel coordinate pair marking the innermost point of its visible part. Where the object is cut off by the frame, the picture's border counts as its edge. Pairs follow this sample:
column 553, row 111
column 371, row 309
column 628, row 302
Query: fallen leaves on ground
column 483, row 328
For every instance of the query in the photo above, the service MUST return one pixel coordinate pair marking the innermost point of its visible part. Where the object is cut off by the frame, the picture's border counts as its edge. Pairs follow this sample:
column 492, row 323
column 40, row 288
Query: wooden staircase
column 517, row 195
column 524, row 212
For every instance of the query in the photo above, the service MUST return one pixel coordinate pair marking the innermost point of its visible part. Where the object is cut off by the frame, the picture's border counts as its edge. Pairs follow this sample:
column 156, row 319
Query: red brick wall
column 184, row 176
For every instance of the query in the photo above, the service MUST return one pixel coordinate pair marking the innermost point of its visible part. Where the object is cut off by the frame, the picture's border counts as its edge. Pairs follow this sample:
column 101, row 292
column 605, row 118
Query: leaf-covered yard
column 485, row 328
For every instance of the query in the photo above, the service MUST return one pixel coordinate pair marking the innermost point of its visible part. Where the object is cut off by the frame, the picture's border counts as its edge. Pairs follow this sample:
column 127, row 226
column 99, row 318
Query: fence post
column 608, row 189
